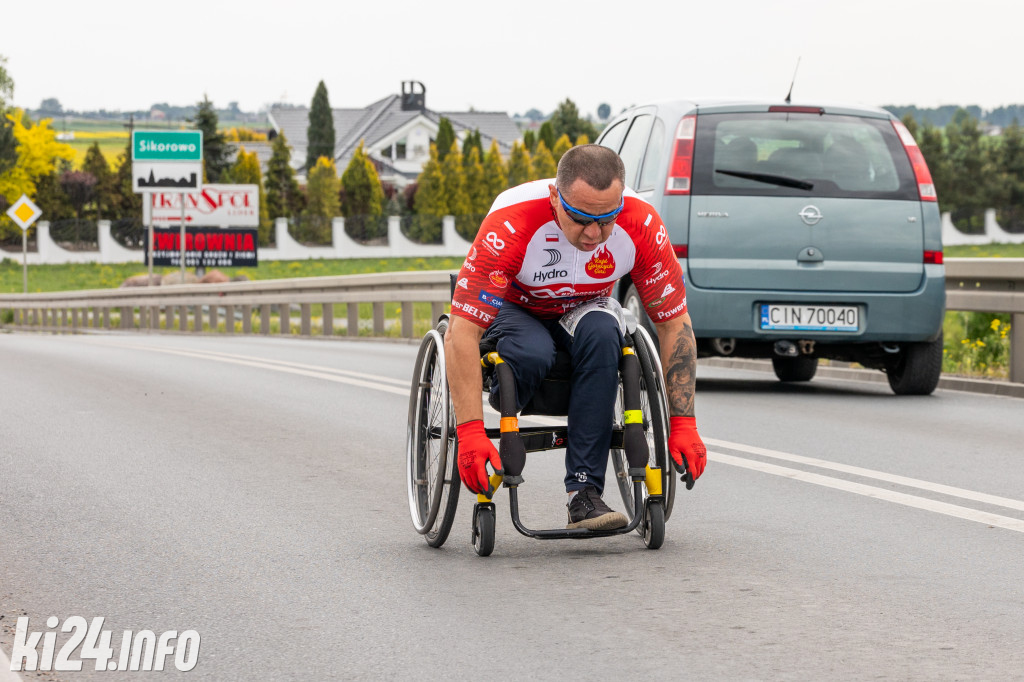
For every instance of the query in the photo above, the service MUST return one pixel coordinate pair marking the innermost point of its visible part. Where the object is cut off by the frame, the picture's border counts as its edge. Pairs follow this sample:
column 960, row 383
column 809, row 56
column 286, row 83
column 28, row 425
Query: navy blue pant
column 528, row 345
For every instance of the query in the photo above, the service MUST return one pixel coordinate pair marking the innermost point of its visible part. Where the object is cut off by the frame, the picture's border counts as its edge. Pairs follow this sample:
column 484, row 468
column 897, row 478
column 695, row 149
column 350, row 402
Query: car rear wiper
column 781, row 180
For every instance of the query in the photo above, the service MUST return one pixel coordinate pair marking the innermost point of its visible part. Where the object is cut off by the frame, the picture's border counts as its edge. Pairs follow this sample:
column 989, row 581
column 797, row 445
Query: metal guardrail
column 140, row 308
column 972, row 284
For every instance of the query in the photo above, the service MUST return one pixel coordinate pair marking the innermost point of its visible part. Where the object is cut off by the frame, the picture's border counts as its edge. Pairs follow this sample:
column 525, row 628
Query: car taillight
column 925, row 186
column 796, row 110
column 933, row 257
column 681, row 169
column 682, row 250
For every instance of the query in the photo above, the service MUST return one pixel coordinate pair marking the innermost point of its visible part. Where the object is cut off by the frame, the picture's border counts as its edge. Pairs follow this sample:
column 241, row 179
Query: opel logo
column 810, row 215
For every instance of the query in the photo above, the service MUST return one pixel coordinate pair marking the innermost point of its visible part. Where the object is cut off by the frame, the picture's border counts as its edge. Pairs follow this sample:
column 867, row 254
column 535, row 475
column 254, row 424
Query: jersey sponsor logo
column 662, row 235
column 464, row 283
column 657, row 268
column 472, row 254
column 601, row 264
column 469, row 266
column 553, row 293
column 472, row 310
column 668, row 289
column 656, row 302
column 490, row 299
column 550, row 274
column 665, row 315
column 654, row 279
column 554, row 257
column 498, row 279
column 494, row 240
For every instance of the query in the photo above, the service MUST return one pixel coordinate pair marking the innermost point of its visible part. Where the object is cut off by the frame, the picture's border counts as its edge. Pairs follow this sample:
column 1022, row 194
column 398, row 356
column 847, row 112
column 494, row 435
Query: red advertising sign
column 216, row 247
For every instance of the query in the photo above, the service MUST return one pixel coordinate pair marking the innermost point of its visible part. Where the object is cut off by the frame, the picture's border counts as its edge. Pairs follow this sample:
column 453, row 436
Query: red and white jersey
column 521, row 255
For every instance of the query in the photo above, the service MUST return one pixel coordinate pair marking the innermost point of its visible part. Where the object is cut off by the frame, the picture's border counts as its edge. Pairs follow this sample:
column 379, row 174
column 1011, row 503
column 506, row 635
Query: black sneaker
column 588, row 510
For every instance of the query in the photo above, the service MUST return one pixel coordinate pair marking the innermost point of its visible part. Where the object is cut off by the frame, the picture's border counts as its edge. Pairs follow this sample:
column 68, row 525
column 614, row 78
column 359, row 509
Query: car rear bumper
column 897, row 317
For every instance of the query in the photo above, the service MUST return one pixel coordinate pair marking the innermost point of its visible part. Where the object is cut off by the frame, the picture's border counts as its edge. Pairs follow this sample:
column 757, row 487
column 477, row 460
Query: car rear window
column 808, row 155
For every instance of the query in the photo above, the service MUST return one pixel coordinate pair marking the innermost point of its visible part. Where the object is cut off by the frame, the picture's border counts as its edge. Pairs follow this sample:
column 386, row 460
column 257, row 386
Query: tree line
column 973, row 171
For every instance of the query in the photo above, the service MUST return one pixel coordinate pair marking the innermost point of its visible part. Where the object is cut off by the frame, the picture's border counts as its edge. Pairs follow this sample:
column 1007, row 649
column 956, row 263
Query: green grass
column 72, row 277
column 987, row 251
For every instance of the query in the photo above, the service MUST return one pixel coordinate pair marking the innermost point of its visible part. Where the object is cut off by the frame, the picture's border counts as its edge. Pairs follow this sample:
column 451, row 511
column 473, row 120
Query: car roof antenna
column 789, row 95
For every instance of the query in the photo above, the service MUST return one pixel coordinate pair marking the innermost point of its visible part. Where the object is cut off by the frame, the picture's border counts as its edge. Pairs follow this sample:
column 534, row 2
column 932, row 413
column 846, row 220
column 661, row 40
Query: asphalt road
column 252, row 490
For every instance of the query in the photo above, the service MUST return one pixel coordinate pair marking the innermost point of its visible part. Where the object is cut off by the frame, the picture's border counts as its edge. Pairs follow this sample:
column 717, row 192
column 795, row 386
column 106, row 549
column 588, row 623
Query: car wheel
column 795, row 369
column 633, row 303
column 917, row 369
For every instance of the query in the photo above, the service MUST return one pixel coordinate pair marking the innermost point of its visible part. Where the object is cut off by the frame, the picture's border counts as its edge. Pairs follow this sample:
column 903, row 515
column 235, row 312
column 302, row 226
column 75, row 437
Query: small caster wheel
column 483, row 529
column 654, row 524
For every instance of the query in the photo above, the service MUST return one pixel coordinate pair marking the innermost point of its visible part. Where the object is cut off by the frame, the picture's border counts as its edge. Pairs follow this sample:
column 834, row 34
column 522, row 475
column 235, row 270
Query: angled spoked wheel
column 433, row 481
column 654, row 406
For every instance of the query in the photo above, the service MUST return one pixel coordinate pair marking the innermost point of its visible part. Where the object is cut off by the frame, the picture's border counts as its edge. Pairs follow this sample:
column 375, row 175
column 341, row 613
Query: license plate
column 812, row 318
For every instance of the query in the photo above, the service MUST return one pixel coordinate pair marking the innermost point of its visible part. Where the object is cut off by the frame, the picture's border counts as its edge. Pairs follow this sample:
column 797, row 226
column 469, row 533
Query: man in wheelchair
column 536, row 281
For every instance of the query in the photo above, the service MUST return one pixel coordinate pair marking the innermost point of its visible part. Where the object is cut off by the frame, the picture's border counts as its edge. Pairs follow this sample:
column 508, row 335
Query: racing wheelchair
column 639, row 448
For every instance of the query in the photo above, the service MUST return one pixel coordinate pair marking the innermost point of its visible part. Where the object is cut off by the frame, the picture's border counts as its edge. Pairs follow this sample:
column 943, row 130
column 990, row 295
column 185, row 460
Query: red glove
column 475, row 450
column 684, row 441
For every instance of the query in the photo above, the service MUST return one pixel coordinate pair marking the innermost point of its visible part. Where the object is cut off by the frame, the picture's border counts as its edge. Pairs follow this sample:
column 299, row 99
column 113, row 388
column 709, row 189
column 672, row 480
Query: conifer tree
column 562, row 145
column 495, row 176
column 96, row 165
column 125, row 203
column 217, row 153
column 445, row 138
column 546, row 134
column 430, row 202
column 518, row 165
column 566, row 120
column 320, row 133
column 530, row 140
column 284, row 198
column 1009, row 182
column 246, row 171
column 459, row 204
column 364, row 197
column 476, row 185
column 472, row 141
column 322, row 203
column 543, row 163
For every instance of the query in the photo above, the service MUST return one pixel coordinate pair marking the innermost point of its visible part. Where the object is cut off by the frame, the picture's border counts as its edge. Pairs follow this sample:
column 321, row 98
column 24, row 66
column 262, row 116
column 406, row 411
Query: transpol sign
column 213, row 205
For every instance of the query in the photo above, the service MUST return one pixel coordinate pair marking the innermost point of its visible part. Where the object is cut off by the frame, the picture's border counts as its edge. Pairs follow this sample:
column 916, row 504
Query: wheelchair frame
column 639, row 448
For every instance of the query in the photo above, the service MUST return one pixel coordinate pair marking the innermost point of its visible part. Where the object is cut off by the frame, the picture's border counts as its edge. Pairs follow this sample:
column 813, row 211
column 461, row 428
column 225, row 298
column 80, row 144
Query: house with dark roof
column 397, row 132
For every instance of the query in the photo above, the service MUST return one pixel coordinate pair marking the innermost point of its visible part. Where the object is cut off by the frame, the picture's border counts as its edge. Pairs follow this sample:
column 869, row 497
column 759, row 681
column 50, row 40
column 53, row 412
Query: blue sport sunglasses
column 585, row 218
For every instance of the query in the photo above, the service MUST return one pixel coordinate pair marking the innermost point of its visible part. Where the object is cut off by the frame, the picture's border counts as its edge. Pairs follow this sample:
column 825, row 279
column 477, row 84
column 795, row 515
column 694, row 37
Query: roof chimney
column 413, row 98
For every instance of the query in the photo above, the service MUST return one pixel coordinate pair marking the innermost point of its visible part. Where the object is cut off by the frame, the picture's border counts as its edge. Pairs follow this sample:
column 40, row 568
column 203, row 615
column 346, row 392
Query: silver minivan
column 804, row 232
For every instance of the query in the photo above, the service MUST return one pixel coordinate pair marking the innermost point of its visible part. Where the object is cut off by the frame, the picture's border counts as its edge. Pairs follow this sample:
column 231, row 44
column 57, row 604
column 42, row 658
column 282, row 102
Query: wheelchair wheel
column 654, row 405
column 433, row 482
column 654, row 524
column 483, row 530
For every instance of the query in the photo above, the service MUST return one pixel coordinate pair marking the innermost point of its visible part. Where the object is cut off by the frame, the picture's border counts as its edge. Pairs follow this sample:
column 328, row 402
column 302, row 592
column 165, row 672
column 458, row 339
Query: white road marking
column 313, row 371
column 870, row 473
column 380, row 383
column 924, row 503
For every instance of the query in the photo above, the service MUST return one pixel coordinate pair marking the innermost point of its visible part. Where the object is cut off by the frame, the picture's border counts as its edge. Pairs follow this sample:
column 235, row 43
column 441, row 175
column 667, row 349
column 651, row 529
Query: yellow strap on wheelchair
column 627, row 350
column 653, row 481
column 491, row 359
column 633, row 417
column 508, row 424
column 495, row 482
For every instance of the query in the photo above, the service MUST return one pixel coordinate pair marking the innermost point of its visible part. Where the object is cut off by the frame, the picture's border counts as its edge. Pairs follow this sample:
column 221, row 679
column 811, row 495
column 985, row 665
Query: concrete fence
column 286, row 248
column 972, row 284
column 398, row 245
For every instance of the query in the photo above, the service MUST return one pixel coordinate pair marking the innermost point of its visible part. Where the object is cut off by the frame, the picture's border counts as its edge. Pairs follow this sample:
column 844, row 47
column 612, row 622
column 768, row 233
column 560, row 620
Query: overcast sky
column 513, row 56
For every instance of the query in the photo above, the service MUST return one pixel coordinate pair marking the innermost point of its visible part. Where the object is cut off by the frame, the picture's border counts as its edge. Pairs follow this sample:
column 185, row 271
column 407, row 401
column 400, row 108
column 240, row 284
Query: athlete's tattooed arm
column 679, row 362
